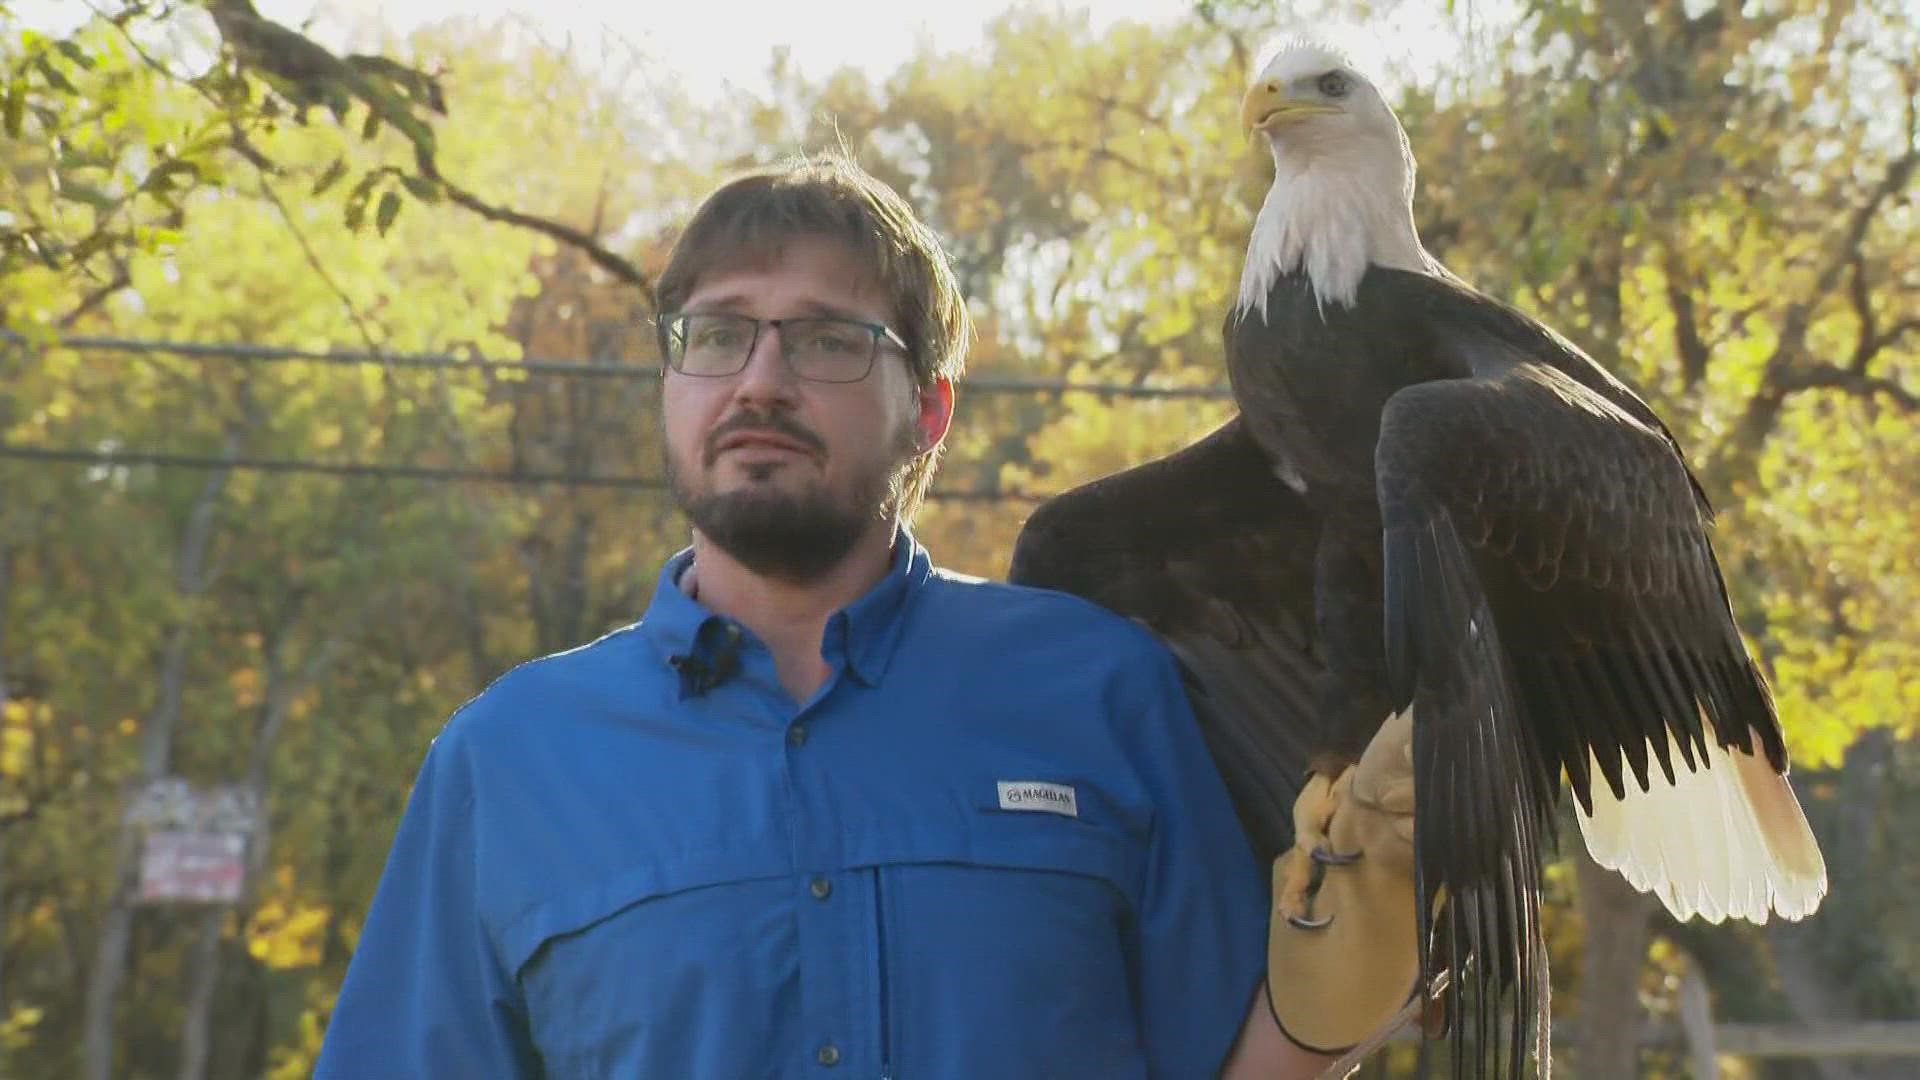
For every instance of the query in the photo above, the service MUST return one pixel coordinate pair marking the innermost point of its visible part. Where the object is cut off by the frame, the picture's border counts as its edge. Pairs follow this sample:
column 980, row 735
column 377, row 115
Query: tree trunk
column 156, row 749
column 1696, row 1020
column 1612, row 959
column 204, row 966
column 203, row 977
column 6, row 585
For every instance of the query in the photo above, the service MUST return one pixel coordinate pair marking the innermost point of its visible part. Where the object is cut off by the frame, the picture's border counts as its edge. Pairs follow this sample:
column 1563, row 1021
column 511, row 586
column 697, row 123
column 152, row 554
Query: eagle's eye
column 1333, row 84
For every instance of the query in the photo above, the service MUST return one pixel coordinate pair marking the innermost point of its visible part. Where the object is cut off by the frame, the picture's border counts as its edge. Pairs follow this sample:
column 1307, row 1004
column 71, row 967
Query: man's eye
column 833, row 343
column 1333, row 84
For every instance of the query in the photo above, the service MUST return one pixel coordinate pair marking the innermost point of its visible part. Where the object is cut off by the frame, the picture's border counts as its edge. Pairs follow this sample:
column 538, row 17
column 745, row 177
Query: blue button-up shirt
column 992, row 844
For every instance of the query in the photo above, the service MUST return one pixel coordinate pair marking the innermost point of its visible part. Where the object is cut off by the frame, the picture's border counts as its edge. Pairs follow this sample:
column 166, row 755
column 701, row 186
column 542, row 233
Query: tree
column 118, row 175
column 237, row 593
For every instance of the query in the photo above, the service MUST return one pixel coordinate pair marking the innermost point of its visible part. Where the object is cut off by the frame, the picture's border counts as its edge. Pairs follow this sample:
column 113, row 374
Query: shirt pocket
column 646, row 973
column 1010, row 945
column 1060, row 827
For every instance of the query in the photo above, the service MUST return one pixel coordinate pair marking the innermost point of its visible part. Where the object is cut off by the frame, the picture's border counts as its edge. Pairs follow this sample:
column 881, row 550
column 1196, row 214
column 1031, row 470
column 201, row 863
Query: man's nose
column 766, row 375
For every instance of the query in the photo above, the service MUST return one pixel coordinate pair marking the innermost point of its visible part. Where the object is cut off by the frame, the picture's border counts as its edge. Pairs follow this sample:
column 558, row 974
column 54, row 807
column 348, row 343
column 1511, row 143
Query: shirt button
column 828, row 1055
column 797, row 736
column 820, row 887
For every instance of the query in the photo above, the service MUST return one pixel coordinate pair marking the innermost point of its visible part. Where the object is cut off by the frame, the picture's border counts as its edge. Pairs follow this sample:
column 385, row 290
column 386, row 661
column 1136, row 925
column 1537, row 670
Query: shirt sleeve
column 1203, row 922
column 425, row 995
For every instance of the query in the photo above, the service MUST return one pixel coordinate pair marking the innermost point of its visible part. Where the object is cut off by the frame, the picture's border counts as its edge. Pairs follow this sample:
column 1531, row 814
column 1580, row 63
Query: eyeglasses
column 828, row 350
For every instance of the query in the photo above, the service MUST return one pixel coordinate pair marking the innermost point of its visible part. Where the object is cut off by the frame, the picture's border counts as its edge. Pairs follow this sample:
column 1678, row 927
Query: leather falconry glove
column 1342, row 955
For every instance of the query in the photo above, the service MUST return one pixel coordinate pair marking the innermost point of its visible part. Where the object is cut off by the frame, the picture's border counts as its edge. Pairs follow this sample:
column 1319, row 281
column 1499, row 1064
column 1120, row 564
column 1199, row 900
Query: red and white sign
column 195, row 867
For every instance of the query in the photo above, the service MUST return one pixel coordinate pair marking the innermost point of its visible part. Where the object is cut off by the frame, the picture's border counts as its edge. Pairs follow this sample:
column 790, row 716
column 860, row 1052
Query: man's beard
column 792, row 536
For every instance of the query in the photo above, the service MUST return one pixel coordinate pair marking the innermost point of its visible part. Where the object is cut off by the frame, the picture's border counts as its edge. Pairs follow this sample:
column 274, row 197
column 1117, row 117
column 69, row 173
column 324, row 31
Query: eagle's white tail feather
column 1726, row 840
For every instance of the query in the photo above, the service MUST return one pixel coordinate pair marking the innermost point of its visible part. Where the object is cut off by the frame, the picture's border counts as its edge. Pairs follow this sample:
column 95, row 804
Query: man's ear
column 936, row 413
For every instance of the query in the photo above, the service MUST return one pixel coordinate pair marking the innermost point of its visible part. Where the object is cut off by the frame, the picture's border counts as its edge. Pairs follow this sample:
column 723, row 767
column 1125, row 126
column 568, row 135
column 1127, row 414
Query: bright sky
column 711, row 43
column 717, row 40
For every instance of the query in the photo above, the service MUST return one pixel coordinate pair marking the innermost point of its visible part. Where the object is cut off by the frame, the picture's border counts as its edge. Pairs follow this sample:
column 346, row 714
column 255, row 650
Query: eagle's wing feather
column 1210, row 550
column 1551, row 601
column 1590, row 534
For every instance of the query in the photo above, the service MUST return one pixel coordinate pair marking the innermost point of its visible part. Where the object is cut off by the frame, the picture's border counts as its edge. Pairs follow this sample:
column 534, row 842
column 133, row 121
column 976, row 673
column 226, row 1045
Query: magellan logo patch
column 1038, row 795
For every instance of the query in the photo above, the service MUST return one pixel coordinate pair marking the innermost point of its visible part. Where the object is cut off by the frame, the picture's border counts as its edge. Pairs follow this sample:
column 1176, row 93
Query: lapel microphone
column 713, row 659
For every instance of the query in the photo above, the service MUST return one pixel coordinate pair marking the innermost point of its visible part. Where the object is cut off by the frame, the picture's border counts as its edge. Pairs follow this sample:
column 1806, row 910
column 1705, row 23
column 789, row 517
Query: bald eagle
column 1429, row 499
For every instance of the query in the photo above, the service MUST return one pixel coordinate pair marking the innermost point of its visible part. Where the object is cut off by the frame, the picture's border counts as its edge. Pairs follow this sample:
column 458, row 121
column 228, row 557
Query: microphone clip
column 713, row 659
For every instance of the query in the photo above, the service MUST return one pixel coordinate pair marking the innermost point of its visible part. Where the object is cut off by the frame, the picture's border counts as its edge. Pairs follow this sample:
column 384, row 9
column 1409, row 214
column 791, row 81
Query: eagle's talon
column 1299, row 872
column 1294, row 885
column 1301, row 923
column 1298, row 888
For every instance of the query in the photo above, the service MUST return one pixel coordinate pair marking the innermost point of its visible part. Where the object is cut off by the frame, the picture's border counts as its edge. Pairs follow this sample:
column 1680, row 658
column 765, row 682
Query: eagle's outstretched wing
column 1553, row 603
column 1215, row 554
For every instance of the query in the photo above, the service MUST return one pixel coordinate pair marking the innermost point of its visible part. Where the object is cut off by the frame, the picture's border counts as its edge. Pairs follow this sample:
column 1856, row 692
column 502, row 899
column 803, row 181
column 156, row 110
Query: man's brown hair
column 748, row 219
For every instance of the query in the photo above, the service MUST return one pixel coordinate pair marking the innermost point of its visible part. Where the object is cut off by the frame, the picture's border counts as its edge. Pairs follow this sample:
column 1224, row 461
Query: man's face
column 784, row 474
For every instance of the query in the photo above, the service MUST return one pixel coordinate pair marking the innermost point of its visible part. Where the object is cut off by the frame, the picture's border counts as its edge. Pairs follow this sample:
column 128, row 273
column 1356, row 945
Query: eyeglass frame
column 882, row 333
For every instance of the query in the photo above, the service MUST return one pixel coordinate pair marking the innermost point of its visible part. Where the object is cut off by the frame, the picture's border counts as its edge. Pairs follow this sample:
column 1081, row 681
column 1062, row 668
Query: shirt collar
column 864, row 633
column 871, row 625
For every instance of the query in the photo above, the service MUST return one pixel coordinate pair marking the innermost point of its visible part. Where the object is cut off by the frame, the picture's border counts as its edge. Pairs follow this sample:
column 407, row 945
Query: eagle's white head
column 1342, row 194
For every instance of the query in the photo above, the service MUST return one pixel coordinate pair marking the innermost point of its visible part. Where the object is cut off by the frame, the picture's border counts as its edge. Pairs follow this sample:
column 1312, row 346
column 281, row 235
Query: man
column 824, row 810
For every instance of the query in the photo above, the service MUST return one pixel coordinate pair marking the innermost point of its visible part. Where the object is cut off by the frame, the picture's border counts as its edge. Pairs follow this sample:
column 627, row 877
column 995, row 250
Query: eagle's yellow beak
column 1267, row 107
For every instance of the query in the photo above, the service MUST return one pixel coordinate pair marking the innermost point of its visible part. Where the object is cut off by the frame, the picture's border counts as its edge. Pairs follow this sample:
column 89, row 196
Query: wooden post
column 1696, row 1021
column 1823, row 1039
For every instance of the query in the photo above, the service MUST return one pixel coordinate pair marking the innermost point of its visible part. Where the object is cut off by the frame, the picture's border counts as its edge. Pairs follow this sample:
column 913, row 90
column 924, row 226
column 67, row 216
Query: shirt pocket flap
column 572, row 911
column 1058, row 826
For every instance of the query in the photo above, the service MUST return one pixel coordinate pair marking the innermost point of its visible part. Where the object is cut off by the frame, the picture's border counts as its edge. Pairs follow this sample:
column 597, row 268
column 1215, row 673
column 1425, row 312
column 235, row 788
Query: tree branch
column 1864, row 344
column 566, row 234
column 313, row 260
column 1108, row 103
column 306, row 74
column 1897, row 331
column 1093, row 153
column 319, row 76
column 121, row 278
column 1830, row 376
column 1694, row 353
column 1236, row 42
column 1779, row 379
column 1898, row 173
